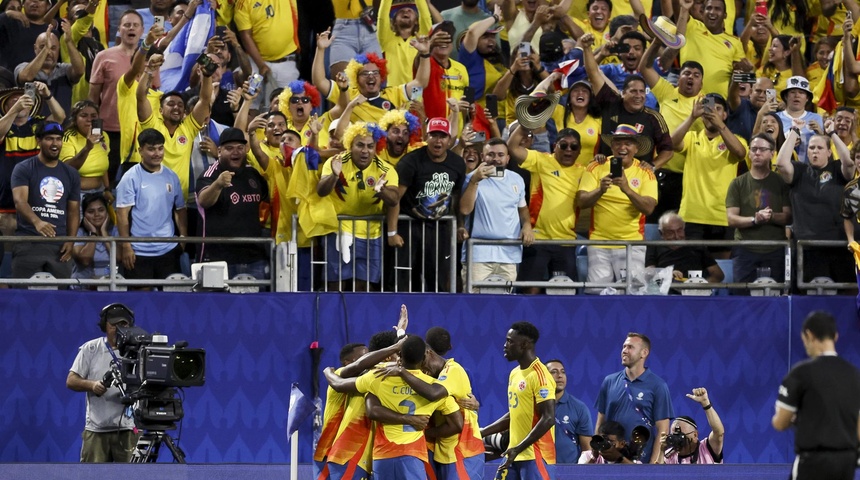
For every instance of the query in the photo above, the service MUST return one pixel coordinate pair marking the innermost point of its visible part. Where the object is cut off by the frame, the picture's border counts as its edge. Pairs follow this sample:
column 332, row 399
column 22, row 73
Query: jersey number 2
column 410, row 410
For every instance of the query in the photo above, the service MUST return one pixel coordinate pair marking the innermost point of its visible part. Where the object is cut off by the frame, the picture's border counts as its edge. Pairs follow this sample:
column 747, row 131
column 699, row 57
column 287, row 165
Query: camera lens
column 188, row 366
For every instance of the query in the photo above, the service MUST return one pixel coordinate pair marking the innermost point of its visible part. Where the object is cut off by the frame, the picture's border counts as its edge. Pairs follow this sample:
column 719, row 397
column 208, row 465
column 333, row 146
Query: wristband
column 424, row 55
column 391, row 234
column 753, row 218
column 401, row 333
column 708, row 407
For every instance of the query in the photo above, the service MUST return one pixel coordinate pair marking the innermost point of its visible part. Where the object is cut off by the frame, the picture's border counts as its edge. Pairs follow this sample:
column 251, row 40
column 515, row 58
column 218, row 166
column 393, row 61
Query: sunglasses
column 297, row 100
column 568, row 146
column 796, row 82
column 360, row 177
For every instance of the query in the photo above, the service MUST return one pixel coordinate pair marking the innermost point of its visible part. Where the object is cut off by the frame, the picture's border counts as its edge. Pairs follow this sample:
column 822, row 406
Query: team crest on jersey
column 728, row 44
column 104, row 145
column 543, row 392
column 252, row 183
column 182, row 139
column 442, row 377
column 522, row 385
column 308, row 133
column 825, row 177
column 634, row 182
column 515, row 188
column 169, row 188
column 640, row 396
column 234, row 197
column 386, row 105
column 370, row 181
column 590, row 132
column 721, row 147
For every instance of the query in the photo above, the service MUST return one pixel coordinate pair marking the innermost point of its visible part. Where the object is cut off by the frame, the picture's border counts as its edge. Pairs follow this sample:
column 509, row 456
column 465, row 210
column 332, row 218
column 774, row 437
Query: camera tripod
column 150, row 443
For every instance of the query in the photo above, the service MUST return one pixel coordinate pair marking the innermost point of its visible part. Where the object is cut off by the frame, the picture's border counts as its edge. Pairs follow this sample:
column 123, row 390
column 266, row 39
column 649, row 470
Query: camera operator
column 109, row 432
column 682, row 445
column 609, row 446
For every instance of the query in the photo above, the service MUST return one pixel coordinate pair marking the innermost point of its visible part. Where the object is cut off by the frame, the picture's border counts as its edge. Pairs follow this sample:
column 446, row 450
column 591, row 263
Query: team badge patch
column 370, row 181
column 634, row 182
column 721, row 147
column 386, row 105
column 234, row 197
column 182, row 139
column 522, row 385
column 825, row 177
column 590, row 132
column 543, row 392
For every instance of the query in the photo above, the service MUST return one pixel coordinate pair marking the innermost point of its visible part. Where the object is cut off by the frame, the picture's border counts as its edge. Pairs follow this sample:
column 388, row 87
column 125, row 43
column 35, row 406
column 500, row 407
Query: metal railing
column 804, row 285
column 393, row 262
column 626, row 284
column 114, row 281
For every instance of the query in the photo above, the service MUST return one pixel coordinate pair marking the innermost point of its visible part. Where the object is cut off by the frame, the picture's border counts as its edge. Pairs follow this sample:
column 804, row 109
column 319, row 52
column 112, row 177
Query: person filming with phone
column 494, row 201
column 622, row 191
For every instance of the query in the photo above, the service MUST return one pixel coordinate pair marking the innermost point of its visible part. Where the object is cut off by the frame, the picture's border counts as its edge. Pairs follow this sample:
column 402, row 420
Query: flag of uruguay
column 183, row 51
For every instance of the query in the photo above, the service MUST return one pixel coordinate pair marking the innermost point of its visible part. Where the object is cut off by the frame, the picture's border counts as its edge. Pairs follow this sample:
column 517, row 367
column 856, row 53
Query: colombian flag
column 825, row 90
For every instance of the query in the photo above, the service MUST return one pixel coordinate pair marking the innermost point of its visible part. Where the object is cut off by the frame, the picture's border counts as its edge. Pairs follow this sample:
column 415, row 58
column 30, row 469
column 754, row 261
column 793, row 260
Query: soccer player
column 400, row 451
column 459, row 457
column 531, row 410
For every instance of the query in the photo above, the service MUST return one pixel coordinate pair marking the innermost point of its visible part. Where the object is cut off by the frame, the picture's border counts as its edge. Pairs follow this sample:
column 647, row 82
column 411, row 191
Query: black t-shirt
column 649, row 122
column 235, row 214
column 684, row 259
column 16, row 41
column 824, row 392
column 816, row 198
column 430, row 186
column 50, row 191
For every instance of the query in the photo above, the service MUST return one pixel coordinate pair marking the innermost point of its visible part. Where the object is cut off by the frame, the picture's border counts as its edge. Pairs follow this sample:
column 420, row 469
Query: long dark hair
column 77, row 108
column 592, row 110
column 779, row 137
column 780, row 12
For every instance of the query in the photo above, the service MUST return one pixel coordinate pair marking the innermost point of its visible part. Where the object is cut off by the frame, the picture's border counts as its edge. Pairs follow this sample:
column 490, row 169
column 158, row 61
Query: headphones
column 114, row 307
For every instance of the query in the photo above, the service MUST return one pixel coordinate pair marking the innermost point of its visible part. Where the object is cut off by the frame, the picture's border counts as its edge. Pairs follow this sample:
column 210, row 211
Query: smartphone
column 469, row 94
column 708, row 103
column 770, row 93
column 493, row 105
column 525, row 49
column 158, row 20
column 221, row 31
column 743, row 78
column 480, row 137
column 500, row 171
column 620, row 48
column 848, row 14
column 96, row 127
column 209, row 65
column 30, row 90
column 417, row 94
column 761, row 7
column 254, row 83
column 615, row 167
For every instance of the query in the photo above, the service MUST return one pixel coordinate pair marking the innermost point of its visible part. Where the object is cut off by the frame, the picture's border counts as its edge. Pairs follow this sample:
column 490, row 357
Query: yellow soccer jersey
column 467, row 443
column 392, row 441
column 96, row 163
column 129, row 127
column 708, row 171
column 353, row 442
column 716, row 51
column 391, row 160
column 354, row 194
column 552, row 210
column 589, row 134
column 278, row 177
column 614, row 217
column 335, row 409
column 177, row 147
column 675, row 108
column 526, row 389
column 399, row 54
column 273, row 25
column 389, row 98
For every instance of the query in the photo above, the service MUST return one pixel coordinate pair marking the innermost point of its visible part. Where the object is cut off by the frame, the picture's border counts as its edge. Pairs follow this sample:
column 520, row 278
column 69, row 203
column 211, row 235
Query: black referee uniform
column 824, row 393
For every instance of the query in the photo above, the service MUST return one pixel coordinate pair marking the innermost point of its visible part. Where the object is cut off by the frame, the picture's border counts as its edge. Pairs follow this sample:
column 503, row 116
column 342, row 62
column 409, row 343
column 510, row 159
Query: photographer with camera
column 610, row 446
column 109, row 434
column 682, row 445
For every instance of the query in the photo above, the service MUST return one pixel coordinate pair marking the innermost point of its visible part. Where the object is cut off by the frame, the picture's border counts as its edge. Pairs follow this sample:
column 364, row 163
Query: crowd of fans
column 623, row 121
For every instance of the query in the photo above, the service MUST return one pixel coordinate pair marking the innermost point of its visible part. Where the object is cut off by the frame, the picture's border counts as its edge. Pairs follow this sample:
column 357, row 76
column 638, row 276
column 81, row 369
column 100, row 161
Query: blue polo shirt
column 643, row 401
column 572, row 419
column 616, row 73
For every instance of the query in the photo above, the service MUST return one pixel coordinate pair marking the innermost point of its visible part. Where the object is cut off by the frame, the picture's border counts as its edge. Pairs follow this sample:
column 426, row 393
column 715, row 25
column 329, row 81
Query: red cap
column 439, row 124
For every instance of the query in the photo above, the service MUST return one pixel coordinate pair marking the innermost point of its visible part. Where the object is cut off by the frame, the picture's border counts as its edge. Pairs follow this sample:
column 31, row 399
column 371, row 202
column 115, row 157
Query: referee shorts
column 834, row 465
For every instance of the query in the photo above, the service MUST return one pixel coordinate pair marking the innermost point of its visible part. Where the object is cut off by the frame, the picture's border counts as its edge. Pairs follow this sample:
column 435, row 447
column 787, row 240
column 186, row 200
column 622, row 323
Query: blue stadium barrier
column 257, row 345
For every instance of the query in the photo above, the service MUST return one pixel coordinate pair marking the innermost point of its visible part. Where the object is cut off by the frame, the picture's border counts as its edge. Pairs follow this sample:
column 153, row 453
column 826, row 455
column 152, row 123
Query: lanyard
column 638, row 410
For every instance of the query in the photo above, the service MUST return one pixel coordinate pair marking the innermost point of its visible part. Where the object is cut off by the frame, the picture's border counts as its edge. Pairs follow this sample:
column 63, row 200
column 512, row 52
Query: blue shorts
column 528, row 470
column 471, row 468
column 351, row 37
column 366, row 259
column 401, row 468
column 347, row 471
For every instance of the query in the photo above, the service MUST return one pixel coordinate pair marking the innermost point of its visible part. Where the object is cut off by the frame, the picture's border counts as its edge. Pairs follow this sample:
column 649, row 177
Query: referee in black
column 821, row 397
